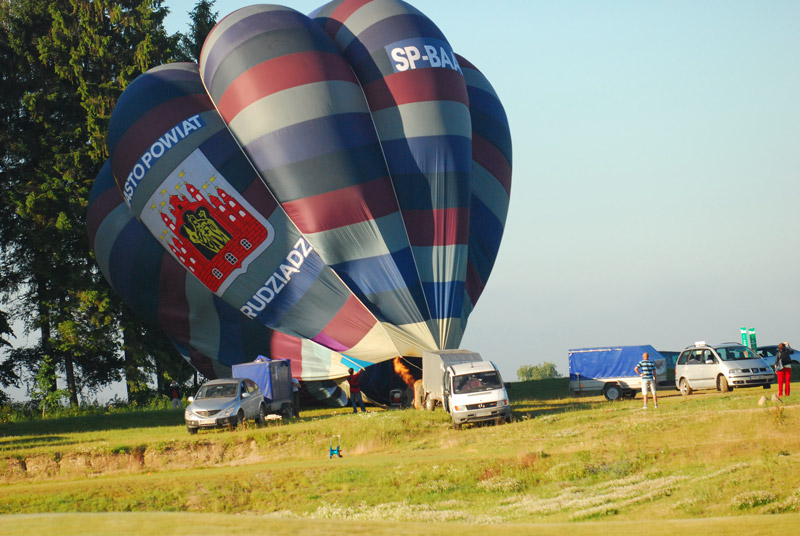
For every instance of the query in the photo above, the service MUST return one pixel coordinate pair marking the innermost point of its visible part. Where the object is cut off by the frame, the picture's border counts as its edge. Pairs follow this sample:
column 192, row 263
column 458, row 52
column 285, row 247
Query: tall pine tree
column 201, row 21
column 67, row 62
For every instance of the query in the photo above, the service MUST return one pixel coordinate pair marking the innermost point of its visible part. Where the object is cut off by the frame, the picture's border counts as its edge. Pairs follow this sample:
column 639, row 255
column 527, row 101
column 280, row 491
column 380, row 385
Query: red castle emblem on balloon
column 211, row 236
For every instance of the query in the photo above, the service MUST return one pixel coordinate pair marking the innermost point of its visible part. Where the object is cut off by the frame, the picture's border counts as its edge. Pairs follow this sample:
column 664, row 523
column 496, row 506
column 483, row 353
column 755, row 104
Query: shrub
column 752, row 499
column 542, row 371
column 501, row 484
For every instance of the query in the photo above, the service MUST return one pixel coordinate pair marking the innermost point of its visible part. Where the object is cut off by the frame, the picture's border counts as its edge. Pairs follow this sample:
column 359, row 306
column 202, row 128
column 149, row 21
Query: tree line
column 63, row 65
column 542, row 371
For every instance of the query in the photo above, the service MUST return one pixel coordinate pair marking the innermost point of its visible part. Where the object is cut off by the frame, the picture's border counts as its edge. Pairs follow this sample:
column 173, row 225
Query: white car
column 227, row 402
column 722, row 367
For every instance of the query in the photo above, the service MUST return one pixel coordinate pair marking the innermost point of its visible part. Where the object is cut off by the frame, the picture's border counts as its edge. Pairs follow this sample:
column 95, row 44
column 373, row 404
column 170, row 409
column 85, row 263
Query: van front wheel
column 722, row 384
column 684, row 386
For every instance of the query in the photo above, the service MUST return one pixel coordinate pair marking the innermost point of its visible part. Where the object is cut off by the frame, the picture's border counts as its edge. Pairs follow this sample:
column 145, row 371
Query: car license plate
column 760, row 377
column 483, row 413
column 208, row 421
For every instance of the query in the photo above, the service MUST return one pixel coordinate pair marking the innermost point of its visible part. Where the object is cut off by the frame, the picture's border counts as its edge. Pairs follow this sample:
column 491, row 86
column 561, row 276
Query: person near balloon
column 354, row 380
column 175, row 394
column 783, row 368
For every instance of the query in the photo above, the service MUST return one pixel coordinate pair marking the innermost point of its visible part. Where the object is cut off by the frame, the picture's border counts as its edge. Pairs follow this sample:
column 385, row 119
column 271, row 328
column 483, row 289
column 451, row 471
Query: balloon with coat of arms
column 329, row 188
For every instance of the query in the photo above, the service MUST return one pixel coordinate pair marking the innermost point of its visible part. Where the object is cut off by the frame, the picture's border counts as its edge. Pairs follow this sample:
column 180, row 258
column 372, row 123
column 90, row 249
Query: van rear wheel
column 430, row 404
column 686, row 390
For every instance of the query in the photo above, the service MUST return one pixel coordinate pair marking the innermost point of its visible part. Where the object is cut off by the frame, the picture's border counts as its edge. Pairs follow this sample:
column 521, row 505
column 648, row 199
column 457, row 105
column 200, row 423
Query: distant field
column 708, row 462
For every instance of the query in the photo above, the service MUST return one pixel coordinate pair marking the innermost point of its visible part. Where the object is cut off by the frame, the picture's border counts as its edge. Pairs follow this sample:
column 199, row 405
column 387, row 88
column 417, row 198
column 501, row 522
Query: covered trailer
column 274, row 378
column 610, row 370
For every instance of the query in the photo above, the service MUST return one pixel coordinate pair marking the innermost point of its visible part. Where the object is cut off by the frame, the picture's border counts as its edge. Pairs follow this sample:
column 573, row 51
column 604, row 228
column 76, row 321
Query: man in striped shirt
column 647, row 370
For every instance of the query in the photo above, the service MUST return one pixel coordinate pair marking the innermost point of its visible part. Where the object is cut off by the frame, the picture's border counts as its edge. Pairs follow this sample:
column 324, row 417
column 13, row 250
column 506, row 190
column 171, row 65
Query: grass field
column 710, row 461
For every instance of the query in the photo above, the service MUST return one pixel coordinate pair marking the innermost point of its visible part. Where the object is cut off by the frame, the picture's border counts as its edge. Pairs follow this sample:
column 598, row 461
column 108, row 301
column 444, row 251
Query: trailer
column 610, row 370
column 274, row 378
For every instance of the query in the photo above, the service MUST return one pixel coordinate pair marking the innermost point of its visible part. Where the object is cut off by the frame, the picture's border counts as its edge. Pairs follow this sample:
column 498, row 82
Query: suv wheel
column 686, row 390
column 262, row 414
column 239, row 420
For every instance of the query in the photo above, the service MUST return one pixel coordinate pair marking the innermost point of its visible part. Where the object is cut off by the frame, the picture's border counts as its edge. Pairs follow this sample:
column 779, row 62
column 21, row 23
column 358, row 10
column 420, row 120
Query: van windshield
column 735, row 353
column 476, row 382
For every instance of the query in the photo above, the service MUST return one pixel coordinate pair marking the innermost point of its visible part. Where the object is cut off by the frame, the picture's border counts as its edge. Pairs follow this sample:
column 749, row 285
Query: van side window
column 683, row 358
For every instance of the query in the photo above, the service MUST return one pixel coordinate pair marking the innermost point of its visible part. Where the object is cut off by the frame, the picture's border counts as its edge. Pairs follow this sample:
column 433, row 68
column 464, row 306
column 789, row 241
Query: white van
column 469, row 388
column 474, row 392
column 721, row 367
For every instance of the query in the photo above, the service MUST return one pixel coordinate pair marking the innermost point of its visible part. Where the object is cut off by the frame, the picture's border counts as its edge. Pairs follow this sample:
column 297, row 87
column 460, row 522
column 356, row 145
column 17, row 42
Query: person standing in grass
column 647, row 370
column 783, row 368
column 175, row 394
column 355, row 390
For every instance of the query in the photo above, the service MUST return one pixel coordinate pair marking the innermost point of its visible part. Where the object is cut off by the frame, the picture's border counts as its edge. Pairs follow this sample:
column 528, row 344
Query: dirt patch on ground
column 169, row 457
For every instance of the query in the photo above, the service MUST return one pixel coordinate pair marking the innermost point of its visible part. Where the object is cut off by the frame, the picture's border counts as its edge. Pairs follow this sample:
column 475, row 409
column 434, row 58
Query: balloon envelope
column 332, row 189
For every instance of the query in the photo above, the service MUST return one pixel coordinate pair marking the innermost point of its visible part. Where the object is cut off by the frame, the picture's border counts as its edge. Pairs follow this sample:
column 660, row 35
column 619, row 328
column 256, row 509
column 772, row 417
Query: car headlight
column 187, row 414
column 735, row 371
column 226, row 412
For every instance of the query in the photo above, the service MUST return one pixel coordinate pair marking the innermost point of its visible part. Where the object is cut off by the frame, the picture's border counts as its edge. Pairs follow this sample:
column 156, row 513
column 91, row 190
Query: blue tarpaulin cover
column 610, row 361
column 273, row 377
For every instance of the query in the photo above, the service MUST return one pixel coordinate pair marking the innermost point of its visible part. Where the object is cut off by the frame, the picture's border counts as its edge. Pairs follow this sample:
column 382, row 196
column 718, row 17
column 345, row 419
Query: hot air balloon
column 205, row 330
column 332, row 189
column 418, row 99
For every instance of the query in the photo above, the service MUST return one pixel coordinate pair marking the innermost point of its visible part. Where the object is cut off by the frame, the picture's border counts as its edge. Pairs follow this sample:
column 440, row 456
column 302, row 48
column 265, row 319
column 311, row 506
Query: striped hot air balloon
column 328, row 188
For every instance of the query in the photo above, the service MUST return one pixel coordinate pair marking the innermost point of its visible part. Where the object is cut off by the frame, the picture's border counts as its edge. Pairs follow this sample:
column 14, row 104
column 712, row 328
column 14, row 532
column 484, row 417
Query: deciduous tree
column 542, row 371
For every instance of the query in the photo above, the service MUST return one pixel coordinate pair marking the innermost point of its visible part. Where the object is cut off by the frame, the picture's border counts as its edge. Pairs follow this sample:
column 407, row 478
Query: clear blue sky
column 656, row 163
column 656, row 170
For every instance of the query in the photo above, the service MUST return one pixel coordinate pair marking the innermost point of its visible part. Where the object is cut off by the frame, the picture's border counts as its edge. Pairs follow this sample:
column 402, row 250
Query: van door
column 694, row 369
column 706, row 369
column 680, row 367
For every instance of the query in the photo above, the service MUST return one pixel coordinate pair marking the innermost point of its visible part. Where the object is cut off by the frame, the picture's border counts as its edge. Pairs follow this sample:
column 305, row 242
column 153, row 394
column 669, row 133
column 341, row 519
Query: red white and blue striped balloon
column 331, row 186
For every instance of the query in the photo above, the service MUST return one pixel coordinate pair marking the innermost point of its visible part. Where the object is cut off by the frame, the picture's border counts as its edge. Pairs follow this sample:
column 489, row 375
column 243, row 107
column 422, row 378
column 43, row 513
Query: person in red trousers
column 783, row 368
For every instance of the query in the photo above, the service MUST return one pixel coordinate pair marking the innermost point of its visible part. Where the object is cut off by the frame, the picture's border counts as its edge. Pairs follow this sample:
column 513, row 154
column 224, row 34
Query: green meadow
column 709, row 461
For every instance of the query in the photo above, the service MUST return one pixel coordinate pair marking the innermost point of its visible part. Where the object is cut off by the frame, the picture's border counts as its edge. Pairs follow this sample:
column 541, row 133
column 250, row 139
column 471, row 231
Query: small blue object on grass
column 335, row 449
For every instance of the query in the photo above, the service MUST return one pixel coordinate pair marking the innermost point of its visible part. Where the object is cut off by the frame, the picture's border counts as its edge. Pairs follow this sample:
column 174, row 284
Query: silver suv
column 720, row 367
column 225, row 402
